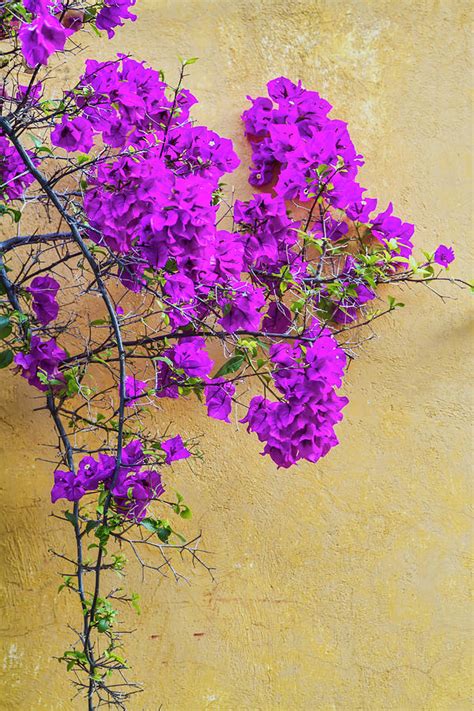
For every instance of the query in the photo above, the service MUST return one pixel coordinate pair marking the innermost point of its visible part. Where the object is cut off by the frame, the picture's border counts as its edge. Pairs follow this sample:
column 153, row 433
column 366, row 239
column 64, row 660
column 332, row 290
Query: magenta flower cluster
column 53, row 23
column 14, row 179
column 45, row 306
column 306, row 153
column 41, row 365
column 153, row 204
column 133, row 484
column 112, row 15
column 42, row 37
column 300, row 425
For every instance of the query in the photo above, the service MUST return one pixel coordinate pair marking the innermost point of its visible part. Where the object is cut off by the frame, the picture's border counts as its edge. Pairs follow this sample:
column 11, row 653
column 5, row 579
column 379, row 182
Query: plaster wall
column 340, row 586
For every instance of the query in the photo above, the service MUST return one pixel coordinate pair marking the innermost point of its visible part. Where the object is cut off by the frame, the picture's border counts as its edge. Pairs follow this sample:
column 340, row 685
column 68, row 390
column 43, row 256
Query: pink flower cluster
column 43, row 36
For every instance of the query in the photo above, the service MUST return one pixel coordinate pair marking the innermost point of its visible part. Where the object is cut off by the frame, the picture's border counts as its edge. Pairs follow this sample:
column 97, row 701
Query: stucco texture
column 342, row 585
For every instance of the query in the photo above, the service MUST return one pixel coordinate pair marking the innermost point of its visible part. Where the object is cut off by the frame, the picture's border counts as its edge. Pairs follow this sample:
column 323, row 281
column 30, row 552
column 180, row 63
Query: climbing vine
column 140, row 260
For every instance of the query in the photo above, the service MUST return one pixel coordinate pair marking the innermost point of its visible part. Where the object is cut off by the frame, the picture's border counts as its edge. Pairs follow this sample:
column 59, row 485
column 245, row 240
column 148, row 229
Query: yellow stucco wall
column 343, row 585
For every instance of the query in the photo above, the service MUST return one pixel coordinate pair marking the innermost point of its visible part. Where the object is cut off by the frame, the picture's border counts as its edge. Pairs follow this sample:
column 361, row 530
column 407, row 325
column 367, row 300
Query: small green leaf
column 5, row 327
column 103, row 625
column 135, row 603
column 185, row 512
column 37, row 142
column 163, row 534
column 82, row 158
column 165, row 359
column 394, row 304
column 149, row 524
column 6, row 358
column 230, row 366
column 45, row 149
column 91, row 525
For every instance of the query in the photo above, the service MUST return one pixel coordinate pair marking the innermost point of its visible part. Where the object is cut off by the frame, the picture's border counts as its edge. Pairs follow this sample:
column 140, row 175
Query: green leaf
column 72, row 383
column 45, row 149
column 230, row 366
column 394, row 304
column 6, row 358
column 91, row 525
column 163, row 534
column 37, row 142
column 5, row 327
column 193, row 60
column 20, row 10
column 161, row 528
column 135, row 604
column 165, row 359
column 69, row 516
column 185, row 512
column 103, row 625
column 149, row 524
column 298, row 305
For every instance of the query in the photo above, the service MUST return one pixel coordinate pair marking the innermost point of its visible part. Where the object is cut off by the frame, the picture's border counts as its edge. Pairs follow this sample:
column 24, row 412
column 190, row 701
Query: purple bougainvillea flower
column 277, row 319
column 73, row 135
column 67, row 486
column 92, row 473
column 13, row 178
column 132, row 454
column 242, row 307
column 387, row 228
column 190, row 355
column 45, row 306
column 219, row 398
column 175, row 449
column 132, row 490
column 134, row 389
column 43, row 6
column 33, row 93
column 112, row 14
column 41, row 38
column 444, row 255
column 41, row 364
column 301, row 425
column 135, row 490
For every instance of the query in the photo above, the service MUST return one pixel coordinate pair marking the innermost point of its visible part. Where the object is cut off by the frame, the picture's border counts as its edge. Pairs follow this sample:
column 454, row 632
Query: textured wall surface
column 343, row 585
